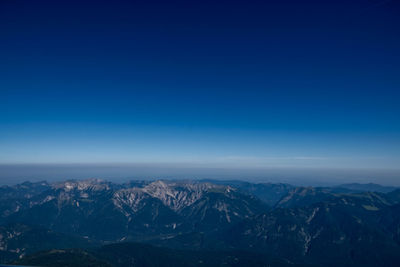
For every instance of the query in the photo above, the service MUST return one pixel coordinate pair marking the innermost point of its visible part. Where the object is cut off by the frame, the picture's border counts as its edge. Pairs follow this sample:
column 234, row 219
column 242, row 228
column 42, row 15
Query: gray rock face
column 111, row 212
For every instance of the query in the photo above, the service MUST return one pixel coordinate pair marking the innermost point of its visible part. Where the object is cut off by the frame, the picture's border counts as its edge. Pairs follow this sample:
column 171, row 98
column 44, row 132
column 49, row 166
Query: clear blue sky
column 212, row 83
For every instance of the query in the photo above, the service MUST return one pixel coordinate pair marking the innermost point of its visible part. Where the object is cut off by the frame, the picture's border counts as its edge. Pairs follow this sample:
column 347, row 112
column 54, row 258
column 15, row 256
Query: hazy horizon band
column 19, row 172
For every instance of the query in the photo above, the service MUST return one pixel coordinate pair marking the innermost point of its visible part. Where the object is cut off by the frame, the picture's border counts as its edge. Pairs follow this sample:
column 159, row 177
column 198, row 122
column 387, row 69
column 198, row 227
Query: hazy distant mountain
column 368, row 187
column 267, row 192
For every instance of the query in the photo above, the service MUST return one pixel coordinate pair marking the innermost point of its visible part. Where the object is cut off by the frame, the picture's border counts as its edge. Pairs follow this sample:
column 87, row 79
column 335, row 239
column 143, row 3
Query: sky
column 213, row 84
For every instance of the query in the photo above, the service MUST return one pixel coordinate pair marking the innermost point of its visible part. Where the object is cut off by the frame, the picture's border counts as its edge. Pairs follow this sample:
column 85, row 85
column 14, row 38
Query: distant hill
column 267, row 192
column 368, row 187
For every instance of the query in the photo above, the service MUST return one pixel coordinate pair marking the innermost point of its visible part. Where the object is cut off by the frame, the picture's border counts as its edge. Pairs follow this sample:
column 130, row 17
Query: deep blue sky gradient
column 215, row 83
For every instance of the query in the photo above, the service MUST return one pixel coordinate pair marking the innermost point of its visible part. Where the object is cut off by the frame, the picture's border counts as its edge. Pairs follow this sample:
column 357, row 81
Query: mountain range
column 195, row 223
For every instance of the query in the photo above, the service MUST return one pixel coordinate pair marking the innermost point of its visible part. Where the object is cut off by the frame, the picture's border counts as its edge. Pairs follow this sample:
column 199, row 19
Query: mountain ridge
column 321, row 226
